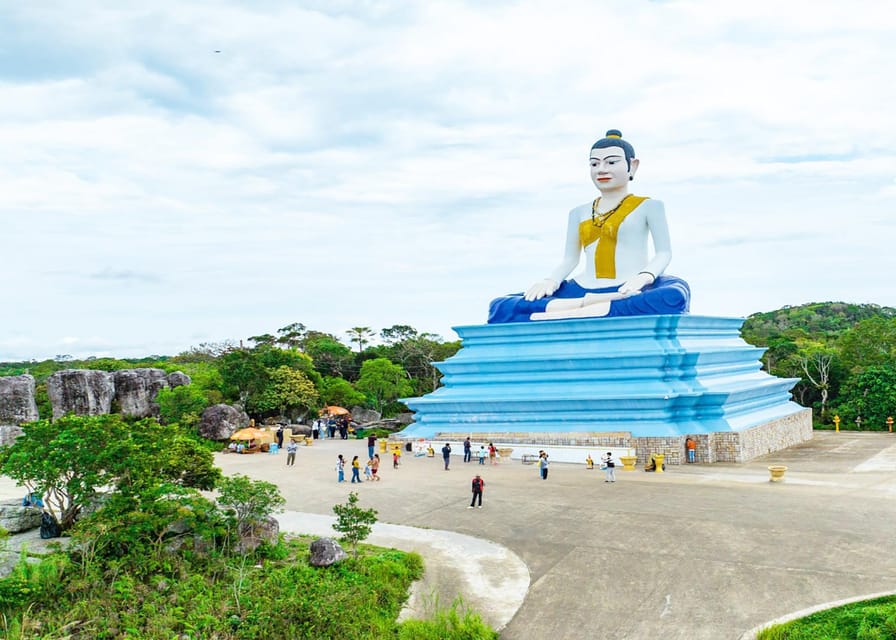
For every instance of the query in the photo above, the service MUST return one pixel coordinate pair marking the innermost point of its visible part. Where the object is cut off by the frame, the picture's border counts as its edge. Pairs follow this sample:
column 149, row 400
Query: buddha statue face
column 609, row 169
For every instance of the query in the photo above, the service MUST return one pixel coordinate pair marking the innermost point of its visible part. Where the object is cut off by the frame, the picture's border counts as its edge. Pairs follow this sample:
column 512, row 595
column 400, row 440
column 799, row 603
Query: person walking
column 375, row 466
column 610, row 465
column 478, row 486
column 371, row 444
column 368, row 474
column 356, row 470
column 396, row 457
column 543, row 465
column 315, row 429
column 291, row 449
column 280, row 437
column 340, row 468
column 468, row 450
column 482, row 454
column 446, row 455
column 492, row 453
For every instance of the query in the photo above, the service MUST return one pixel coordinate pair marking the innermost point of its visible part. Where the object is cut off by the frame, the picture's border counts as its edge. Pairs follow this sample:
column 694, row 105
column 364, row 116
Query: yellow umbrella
column 249, row 433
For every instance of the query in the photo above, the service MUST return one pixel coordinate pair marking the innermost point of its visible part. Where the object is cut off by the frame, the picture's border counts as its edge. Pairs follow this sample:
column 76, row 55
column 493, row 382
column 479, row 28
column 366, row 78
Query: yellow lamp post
column 837, row 424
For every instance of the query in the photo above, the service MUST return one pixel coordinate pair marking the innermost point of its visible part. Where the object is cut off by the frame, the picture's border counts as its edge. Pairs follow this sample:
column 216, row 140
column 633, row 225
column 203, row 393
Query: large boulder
column 17, row 403
column 15, row 518
column 136, row 391
column 8, row 434
column 363, row 416
column 80, row 391
column 325, row 552
column 405, row 418
column 178, row 379
column 254, row 533
column 219, row 421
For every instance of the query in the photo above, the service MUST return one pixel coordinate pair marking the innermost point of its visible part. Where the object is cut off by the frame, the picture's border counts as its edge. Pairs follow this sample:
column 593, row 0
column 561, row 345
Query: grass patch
column 866, row 620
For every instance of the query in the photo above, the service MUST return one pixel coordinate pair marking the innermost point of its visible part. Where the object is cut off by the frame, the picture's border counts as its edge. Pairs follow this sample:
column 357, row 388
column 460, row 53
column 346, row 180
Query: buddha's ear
column 633, row 169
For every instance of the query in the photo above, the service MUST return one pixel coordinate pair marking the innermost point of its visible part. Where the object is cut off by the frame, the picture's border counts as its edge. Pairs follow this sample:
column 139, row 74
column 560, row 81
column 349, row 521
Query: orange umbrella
column 333, row 410
column 249, row 433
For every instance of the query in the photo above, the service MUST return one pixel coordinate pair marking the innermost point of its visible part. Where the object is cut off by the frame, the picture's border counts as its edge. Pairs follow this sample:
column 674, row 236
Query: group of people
column 371, row 468
column 327, row 427
column 491, row 452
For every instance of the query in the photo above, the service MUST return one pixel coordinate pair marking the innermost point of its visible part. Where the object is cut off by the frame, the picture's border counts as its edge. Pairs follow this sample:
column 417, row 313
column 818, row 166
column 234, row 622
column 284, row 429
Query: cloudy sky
column 176, row 173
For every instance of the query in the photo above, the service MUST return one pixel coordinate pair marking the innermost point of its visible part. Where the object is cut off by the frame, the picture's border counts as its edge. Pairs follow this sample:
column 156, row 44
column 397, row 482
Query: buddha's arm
column 571, row 254
column 662, row 250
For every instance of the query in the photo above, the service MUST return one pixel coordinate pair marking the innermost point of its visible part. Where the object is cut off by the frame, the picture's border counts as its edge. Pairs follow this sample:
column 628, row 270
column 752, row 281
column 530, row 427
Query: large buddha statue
column 619, row 278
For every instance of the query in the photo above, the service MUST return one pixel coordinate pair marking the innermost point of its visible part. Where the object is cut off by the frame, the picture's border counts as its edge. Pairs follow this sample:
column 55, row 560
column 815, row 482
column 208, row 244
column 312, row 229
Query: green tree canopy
column 383, row 381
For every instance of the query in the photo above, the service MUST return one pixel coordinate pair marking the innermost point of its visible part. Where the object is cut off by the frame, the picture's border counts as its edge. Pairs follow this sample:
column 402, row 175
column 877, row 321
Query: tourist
column 446, row 454
column 356, row 470
column 543, row 465
column 315, row 429
column 609, row 466
column 396, row 456
column 368, row 474
column 482, row 454
column 340, row 468
column 291, row 449
column 492, row 453
column 613, row 232
column 468, row 450
column 280, row 437
column 691, row 445
column 375, row 466
column 478, row 486
column 371, row 444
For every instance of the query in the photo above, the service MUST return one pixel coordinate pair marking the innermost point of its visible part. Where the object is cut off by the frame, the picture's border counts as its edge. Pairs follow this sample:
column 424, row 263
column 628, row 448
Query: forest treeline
column 843, row 354
column 292, row 372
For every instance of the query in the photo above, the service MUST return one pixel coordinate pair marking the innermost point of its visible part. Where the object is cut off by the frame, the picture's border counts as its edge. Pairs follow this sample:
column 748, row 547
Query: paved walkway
column 699, row 552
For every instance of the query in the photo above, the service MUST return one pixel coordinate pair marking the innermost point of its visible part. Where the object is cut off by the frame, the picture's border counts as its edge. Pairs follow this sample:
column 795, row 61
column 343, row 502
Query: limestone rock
column 300, row 429
column 17, row 403
column 178, row 379
column 219, row 421
column 15, row 518
column 80, row 391
column 326, row 552
column 405, row 418
column 8, row 434
column 363, row 416
column 136, row 391
column 253, row 534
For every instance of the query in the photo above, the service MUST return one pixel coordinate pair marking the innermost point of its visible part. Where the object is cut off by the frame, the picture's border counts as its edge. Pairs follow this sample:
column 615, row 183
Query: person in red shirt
column 478, row 486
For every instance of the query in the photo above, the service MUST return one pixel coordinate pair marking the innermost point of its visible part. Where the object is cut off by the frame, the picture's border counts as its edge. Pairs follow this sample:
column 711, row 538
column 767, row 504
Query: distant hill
column 819, row 319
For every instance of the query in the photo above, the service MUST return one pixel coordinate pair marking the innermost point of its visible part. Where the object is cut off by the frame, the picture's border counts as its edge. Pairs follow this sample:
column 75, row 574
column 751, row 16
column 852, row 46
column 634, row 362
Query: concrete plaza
column 699, row 552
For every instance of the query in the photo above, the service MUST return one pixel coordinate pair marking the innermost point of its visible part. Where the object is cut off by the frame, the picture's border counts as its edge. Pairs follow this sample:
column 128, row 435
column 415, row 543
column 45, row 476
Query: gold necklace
column 598, row 219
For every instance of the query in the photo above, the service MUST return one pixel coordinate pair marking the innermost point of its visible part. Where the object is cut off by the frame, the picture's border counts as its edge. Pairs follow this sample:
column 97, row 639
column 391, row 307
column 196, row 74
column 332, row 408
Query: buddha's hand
column 541, row 289
column 637, row 282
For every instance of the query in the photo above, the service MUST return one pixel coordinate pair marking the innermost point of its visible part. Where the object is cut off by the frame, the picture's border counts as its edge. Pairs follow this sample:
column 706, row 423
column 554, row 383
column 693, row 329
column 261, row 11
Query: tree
column 819, row 362
column 182, row 405
column 870, row 343
column 263, row 339
column 292, row 335
column 398, row 333
column 340, row 392
column 361, row 335
column 251, row 500
column 331, row 357
column 383, row 381
column 289, row 392
column 70, row 460
column 870, row 394
column 353, row 522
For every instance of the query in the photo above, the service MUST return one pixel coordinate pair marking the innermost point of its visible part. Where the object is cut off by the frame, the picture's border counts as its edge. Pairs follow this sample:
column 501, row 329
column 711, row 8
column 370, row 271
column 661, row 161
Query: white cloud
column 176, row 174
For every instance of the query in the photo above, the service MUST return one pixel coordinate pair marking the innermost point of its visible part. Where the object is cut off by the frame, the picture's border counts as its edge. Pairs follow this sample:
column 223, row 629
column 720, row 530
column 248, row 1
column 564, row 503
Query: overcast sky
column 176, row 173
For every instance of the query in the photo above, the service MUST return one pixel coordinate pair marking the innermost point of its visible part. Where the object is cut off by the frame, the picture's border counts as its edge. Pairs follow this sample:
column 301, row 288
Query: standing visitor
column 396, row 456
column 315, row 429
column 280, row 437
column 543, row 465
column 468, row 450
column 291, row 449
column 492, row 453
column 478, row 486
column 340, row 468
column 691, row 445
column 482, row 454
column 356, row 470
column 368, row 472
column 610, row 465
column 446, row 454
column 375, row 466
column 371, row 444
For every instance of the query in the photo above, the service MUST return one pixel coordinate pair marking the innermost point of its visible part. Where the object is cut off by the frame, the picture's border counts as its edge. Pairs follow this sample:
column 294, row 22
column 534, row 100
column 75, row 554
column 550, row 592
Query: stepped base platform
column 645, row 382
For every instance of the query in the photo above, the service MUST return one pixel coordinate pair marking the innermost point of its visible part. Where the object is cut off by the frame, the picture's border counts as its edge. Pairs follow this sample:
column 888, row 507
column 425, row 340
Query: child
column 368, row 472
column 396, row 455
column 482, row 454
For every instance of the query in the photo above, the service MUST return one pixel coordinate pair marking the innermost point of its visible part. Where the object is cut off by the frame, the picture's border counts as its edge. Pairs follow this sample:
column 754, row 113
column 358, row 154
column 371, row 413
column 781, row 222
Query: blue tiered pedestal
column 656, row 379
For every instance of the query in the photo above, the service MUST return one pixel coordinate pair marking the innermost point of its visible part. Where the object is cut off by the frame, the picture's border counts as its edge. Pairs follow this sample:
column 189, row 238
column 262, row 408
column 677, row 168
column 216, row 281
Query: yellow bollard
column 837, row 424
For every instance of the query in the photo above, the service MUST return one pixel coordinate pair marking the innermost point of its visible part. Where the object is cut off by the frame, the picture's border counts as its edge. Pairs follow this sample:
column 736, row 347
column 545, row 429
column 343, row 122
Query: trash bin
column 408, row 447
column 384, row 445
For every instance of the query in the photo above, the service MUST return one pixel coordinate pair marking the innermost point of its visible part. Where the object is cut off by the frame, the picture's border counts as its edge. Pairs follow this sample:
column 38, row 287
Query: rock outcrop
column 325, row 552
column 8, row 434
column 219, row 421
column 253, row 534
column 17, row 403
column 15, row 518
column 363, row 416
column 136, row 391
column 178, row 379
column 80, row 391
